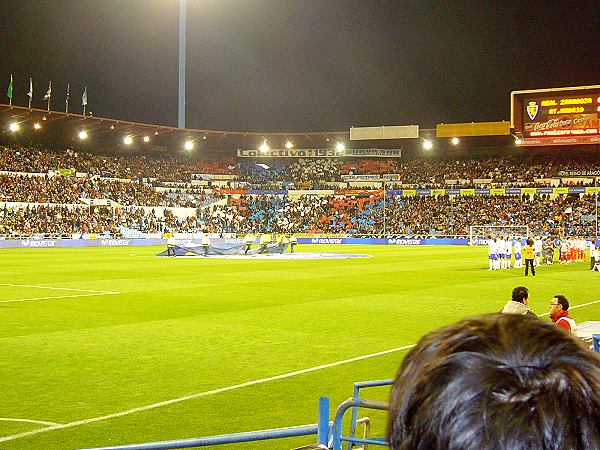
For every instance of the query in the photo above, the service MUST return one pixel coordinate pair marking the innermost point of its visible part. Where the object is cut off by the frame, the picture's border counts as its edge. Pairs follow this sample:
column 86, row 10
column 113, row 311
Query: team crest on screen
column 532, row 110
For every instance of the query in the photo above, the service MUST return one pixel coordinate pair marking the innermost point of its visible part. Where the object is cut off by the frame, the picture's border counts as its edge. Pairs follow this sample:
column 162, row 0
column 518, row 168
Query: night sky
column 302, row 65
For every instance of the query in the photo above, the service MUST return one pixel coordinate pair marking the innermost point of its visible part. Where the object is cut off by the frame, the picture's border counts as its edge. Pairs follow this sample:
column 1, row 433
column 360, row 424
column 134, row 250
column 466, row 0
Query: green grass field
column 111, row 333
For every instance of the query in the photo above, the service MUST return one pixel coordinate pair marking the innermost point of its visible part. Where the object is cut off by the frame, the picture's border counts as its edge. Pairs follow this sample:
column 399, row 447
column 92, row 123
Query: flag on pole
column 67, row 99
column 9, row 92
column 30, row 93
column 49, row 93
column 84, row 97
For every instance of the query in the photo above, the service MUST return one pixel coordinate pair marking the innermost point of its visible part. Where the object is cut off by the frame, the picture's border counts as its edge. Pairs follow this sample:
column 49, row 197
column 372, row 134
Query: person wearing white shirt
column 492, row 253
column 518, row 253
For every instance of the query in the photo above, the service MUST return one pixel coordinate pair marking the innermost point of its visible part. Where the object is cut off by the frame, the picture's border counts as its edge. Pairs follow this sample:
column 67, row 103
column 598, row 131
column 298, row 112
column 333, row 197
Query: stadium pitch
column 106, row 346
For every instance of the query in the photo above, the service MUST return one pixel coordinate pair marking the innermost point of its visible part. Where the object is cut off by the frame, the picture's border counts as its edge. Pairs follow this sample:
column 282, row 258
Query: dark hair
column 503, row 381
column 520, row 294
column 562, row 300
column 529, row 241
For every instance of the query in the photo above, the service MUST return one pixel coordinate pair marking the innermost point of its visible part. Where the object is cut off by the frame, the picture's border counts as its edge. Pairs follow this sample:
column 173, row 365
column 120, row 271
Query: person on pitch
column 171, row 245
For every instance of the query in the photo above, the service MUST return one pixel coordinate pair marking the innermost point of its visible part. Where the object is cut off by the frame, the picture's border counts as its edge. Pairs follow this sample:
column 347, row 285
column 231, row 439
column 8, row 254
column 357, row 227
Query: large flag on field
column 9, row 92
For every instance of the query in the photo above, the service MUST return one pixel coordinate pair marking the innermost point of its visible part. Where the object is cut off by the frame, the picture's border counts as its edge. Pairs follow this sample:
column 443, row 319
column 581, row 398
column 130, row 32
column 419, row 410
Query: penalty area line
column 51, row 287
column 40, row 422
column 57, row 296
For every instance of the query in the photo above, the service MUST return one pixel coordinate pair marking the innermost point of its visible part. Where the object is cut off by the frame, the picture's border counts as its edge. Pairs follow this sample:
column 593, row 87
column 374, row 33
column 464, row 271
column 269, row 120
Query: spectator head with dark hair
column 497, row 382
column 562, row 302
column 520, row 294
column 559, row 313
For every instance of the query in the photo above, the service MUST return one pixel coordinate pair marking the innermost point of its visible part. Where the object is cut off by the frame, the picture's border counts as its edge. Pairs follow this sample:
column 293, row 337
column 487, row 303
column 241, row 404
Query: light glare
column 455, row 141
column 146, row 139
column 83, row 135
column 427, row 144
column 189, row 145
column 340, row 147
column 264, row 147
column 37, row 126
column 128, row 140
column 289, row 145
column 13, row 127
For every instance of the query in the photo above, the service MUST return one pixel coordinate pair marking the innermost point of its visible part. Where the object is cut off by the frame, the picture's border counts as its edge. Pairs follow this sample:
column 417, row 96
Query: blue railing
column 596, row 340
column 321, row 430
column 357, row 387
column 329, row 434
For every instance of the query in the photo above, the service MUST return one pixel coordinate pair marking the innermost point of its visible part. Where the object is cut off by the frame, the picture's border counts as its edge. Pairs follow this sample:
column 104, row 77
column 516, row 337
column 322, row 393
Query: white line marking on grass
column 41, row 422
column 50, row 287
column 57, row 296
column 200, row 395
column 220, row 390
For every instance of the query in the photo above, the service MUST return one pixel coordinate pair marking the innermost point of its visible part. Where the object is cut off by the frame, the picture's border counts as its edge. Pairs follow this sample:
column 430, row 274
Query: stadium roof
column 62, row 129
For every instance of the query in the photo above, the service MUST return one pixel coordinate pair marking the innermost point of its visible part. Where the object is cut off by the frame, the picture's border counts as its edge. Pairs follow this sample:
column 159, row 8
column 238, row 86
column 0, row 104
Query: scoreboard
column 557, row 116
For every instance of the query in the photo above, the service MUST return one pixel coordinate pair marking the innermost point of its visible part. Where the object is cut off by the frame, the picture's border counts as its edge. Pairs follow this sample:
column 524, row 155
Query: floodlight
column 189, row 145
column 288, row 145
column 37, row 126
column 44, row 118
column 83, row 135
column 127, row 140
column 264, row 147
column 112, row 127
column 14, row 126
column 455, row 141
column 156, row 133
column 146, row 139
column 204, row 137
column 340, row 147
column 427, row 144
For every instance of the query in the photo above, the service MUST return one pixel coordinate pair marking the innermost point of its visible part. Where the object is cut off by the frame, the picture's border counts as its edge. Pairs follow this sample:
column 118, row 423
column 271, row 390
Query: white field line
column 41, row 422
column 50, row 287
column 57, row 296
column 220, row 390
column 91, row 294
column 200, row 395
column 574, row 307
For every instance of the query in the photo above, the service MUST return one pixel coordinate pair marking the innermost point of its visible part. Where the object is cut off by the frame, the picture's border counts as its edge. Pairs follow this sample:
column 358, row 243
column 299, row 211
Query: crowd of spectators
column 164, row 168
column 425, row 171
column 73, row 190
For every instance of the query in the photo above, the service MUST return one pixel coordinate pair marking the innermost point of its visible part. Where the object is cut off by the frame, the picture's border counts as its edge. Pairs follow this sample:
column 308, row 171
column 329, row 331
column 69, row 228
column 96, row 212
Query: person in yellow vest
column 265, row 239
column 282, row 240
column 293, row 242
column 171, row 245
column 248, row 241
column 529, row 256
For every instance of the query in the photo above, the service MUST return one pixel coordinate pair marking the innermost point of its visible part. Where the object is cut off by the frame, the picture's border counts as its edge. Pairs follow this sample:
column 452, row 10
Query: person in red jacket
column 559, row 313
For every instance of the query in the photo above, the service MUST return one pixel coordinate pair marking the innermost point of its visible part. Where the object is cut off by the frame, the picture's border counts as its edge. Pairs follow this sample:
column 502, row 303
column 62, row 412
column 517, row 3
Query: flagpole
column 30, row 93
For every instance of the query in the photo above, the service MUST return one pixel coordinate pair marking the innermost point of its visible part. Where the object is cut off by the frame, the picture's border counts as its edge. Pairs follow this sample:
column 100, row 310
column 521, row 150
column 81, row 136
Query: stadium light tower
column 182, row 42
column 14, row 127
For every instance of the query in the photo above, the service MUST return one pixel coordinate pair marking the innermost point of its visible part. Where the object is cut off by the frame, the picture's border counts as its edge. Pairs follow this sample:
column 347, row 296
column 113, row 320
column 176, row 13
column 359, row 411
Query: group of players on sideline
column 537, row 251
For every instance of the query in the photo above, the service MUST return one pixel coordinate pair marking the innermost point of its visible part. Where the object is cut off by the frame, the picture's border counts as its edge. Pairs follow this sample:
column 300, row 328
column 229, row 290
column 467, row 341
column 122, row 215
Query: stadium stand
column 114, row 193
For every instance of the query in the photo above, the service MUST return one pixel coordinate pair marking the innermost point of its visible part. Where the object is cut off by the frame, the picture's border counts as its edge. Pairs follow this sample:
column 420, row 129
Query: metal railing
column 320, row 429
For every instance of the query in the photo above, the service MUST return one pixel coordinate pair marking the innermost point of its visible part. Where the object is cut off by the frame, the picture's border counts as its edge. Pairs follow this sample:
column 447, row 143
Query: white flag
column 49, row 93
column 30, row 93
column 84, row 97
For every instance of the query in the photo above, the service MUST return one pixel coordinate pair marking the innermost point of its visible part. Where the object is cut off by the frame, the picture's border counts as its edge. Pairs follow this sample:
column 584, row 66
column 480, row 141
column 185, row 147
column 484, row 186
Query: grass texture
column 117, row 346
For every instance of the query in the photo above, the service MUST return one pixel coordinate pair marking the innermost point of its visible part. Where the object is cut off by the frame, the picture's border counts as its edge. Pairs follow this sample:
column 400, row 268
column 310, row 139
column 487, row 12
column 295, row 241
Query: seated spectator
column 559, row 313
column 519, row 303
column 497, row 382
